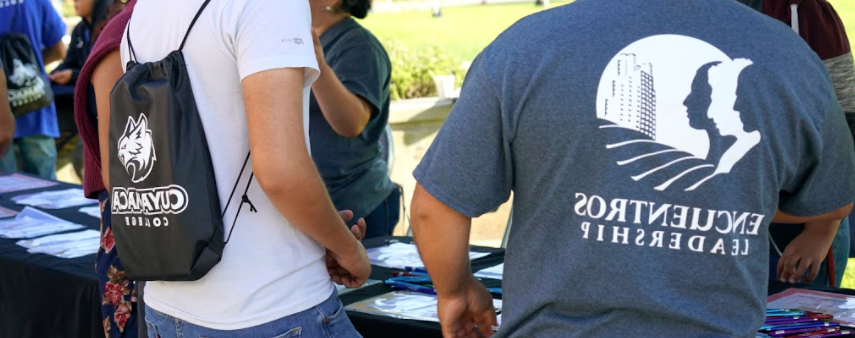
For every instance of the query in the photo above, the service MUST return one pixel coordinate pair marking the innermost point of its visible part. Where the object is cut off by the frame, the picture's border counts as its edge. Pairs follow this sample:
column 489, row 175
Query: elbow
column 350, row 132
column 269, row 180
column 419, row 210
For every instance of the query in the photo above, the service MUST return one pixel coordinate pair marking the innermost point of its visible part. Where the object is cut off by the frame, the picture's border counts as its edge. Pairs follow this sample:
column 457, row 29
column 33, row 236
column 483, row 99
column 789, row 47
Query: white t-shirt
column 269, row 269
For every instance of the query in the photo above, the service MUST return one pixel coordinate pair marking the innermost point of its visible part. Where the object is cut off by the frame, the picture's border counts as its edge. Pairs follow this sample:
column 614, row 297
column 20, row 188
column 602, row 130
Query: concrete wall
column 415, row 124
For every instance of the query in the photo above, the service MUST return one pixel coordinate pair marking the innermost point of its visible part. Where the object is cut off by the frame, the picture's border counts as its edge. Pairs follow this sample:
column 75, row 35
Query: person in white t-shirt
column 251, row 64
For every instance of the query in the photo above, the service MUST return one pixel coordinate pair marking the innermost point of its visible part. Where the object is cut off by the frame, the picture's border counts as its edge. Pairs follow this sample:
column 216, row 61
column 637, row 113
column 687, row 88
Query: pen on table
column 789, row 318
column 785, row 321
column 811, row 333
column 414, row 288
column 793, row 329
column 833, row 334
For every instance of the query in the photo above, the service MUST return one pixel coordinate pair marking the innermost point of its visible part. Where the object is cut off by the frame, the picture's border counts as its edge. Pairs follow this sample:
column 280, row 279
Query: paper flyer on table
column 70, row 245
column 402, row 255
column 18, row 182
column 842, row 307
column 494, row 272
column 7, row 212
column 404, row 305
column 31, row 223
column 59, row 199
column 92, row 211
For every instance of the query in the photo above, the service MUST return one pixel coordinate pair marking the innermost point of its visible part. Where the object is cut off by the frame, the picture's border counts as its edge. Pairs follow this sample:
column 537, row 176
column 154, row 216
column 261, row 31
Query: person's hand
column 319, row 50
column 806, row 251
column 61, row 77
column 460, row 314
column 339, row 273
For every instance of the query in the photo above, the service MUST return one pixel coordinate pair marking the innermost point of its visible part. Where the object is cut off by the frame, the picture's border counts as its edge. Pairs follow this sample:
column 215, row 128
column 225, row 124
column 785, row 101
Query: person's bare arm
column 806, row 252
column 285, row 171
column 104, row 78
column 53, row 53
column 442, row 236
column 839, row 214
column 7, row 121
column 346, row 113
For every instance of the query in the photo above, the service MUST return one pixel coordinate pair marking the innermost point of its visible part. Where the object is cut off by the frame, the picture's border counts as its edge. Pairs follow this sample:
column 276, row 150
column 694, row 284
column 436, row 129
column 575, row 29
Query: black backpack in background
column 26, row 87
column 165, row 207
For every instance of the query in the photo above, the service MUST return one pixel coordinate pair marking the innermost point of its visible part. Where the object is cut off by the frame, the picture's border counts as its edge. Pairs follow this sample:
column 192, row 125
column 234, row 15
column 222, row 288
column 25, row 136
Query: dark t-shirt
column 648, row 145
column 353, row 170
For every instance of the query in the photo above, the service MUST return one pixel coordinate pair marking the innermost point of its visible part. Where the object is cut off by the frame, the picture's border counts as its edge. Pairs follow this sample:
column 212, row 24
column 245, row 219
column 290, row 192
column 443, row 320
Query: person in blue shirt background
column 36, row 131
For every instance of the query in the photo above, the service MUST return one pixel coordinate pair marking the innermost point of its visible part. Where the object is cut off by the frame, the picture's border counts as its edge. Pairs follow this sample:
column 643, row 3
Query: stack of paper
column 402, row 255
column 842, row 307
column 7, row 212
column 71, row 245
column 34, row 223
column 18, row 182
column 92, row 211
column 491, row 272
column 404, row 305
column 55, row 199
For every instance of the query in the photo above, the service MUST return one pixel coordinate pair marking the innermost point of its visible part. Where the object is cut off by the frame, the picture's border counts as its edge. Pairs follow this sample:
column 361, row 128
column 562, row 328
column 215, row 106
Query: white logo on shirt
column 667, row 103
column 136, row 149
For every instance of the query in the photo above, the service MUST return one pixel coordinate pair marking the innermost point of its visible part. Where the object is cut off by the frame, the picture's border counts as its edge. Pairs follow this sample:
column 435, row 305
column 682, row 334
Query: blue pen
column 797, row 326
column 495, row 291
column 415, row 288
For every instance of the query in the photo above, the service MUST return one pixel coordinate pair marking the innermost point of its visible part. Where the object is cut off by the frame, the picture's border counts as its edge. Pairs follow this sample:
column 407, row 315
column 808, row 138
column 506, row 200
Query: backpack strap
column 244, row 197
column 133, row 54
column 192, row 23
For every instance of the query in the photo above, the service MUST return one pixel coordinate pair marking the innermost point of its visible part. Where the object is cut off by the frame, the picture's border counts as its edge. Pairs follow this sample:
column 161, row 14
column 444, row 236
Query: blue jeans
column 38, row 157
column 384, row 218
column 326, row 320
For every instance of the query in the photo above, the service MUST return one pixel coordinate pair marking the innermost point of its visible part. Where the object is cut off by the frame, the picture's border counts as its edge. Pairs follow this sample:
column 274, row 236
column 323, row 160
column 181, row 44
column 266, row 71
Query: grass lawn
column 461, row 31
column 465, row 31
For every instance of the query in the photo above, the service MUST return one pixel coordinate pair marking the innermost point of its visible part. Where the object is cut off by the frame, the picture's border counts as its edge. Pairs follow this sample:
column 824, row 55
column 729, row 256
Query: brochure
column 402, row 255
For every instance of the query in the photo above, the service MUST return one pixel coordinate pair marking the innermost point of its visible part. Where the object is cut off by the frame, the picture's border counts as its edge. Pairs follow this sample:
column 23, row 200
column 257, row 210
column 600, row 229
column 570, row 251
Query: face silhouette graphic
column 698, row 102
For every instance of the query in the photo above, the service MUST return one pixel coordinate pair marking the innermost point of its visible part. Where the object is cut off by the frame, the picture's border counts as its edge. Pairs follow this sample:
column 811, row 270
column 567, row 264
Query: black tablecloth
column 45, row 296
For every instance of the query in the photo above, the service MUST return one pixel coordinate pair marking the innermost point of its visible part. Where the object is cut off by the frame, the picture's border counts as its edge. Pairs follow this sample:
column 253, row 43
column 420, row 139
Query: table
column 45, row 296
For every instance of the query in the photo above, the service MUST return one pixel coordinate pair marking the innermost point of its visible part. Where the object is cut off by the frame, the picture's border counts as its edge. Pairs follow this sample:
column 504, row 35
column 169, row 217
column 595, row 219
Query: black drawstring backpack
column 165, row 208
column 26, row 87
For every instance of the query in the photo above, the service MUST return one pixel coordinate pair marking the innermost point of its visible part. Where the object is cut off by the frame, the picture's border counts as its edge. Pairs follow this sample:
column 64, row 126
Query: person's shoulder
column 358, row 37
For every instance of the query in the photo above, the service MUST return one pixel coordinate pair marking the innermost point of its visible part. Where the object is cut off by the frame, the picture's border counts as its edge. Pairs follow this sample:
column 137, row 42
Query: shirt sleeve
column 53, row 29
column 469, row 165
column 825, row 180
column 272, row 34
column 364, row 70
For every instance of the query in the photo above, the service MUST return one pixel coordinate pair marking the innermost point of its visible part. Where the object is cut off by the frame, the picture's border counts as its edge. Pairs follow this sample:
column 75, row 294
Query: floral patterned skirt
column 119, row 303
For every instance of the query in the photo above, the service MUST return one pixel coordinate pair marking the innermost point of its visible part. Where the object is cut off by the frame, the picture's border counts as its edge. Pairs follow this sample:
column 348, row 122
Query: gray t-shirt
column 352, row 168
column 648, row 145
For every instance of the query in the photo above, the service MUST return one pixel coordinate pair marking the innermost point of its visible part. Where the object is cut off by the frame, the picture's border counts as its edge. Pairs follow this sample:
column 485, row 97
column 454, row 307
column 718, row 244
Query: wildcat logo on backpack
column 31, row 86
column 137, row 155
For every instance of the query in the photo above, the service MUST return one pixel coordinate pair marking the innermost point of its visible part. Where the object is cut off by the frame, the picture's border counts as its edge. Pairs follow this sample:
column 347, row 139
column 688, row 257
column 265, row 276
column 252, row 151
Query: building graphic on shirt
column 633, row 97
column 681, row 130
